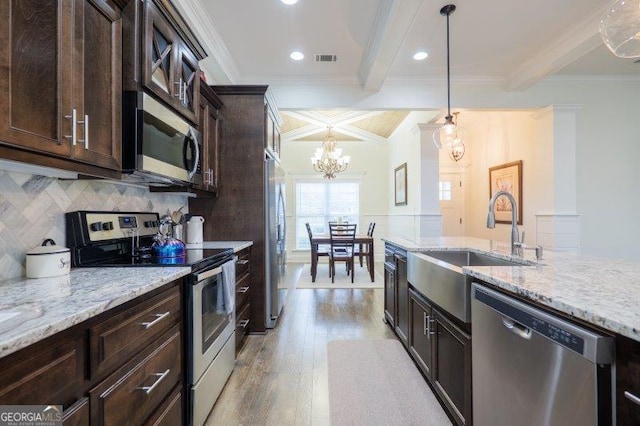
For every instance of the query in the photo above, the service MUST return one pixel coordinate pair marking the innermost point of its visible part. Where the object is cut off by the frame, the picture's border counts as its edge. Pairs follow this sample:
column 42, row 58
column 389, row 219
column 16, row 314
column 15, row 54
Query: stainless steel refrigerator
column 276, row 231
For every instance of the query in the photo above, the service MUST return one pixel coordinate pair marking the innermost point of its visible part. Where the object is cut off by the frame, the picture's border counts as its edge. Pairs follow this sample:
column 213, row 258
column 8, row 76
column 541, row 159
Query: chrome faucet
column 491, row 220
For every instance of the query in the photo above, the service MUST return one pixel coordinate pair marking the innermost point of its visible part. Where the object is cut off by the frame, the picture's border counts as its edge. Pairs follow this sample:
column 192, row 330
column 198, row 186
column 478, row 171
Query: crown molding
column 220, row 63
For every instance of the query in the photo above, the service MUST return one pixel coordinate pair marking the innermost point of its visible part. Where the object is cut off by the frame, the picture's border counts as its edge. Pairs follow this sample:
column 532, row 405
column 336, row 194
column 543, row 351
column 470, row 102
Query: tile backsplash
column 32, row 209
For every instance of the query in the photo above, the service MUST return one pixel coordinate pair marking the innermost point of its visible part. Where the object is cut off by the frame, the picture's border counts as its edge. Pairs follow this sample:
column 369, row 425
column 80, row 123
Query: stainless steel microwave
column 158, row 145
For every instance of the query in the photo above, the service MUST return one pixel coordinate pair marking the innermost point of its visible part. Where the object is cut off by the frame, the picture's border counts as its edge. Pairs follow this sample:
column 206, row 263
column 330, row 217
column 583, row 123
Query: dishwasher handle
column 516, row 328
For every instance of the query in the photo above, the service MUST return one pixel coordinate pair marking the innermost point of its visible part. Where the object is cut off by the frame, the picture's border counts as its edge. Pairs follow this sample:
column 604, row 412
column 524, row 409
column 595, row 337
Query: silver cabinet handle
column 631, row 397
column 180, row 90
column 74, row 134
column 243, row 289
column 243, row 323
column 242, row 262
column 159, row 317
column 160, row 376
column 425, row 322
column 86, row 131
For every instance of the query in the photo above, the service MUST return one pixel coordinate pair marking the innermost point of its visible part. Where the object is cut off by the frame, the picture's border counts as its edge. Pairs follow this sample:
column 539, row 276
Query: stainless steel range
column 112, row 239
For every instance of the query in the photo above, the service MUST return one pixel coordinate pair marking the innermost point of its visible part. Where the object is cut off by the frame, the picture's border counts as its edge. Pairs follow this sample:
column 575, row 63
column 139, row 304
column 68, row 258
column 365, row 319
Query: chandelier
column 328, row 159
column 449, row 134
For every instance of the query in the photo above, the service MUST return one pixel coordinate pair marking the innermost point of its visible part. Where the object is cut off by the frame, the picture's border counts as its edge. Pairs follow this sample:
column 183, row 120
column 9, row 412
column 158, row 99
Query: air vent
column 326, row 58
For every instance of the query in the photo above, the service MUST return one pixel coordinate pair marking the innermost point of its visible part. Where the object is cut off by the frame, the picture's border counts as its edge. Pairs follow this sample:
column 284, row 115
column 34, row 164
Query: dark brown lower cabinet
column 77, row 414
column 402, row 297
column 123, row 366
column 390, row 293
column 420, row 334
column 627, row 381
column 442, row 350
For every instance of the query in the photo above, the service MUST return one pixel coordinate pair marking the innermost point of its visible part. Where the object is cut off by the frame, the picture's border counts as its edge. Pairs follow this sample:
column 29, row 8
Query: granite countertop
column 34, row 309
column 600, row 291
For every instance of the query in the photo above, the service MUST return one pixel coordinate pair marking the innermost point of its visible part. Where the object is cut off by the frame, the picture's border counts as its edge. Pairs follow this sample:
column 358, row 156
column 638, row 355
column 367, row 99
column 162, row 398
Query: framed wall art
column 506, row 177
column 401, row 185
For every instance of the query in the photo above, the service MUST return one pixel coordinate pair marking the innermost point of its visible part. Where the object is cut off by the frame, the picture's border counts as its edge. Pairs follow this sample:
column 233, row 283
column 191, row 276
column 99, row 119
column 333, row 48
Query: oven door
column 211, row 324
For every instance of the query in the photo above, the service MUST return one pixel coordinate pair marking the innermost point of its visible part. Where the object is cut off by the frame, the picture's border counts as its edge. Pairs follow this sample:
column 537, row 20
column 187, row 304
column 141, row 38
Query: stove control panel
column 115, row 225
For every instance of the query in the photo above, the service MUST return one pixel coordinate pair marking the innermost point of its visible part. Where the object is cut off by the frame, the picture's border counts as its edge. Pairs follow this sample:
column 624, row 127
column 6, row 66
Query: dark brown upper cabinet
column 160, row 58
column 61, row 83
column 209, row 127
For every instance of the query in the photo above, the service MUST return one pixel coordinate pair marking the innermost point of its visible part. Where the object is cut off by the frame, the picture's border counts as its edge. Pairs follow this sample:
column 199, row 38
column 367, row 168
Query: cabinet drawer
column 243, row 263
column 77, row 414
column 115, row 340
column 133, row 392
column 242, row 291
column 48, row 372
column 242, row 324
column 170, row 412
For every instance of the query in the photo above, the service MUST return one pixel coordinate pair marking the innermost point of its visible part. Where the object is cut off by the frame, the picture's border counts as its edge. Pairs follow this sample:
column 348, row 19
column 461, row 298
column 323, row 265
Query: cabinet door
column 159, row 55
column 35, row 88
column 421, row 333
column 99, row 78
column 209, row 132
column 627, row 381
column 188, row 74
column 451, row 374
column 402, row 299
column 390, row 293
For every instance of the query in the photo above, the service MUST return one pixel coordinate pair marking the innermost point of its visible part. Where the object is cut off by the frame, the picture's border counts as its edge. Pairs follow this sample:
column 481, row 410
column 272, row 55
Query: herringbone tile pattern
column 32, row 208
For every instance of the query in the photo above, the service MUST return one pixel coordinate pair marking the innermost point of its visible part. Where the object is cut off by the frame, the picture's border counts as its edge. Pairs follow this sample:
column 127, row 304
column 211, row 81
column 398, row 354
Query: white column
column 559, row 227
column 428, row 220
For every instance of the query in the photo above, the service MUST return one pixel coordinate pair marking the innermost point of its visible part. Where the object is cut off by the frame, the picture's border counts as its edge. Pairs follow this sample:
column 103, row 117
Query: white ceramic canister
column 48, row 260
column 194, row 230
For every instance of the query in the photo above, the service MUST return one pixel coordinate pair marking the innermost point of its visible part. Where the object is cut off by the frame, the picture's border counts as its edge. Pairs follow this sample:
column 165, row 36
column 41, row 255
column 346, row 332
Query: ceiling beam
column 392, row 23
column 356, row 132
column 577, row 41
column 301, row 132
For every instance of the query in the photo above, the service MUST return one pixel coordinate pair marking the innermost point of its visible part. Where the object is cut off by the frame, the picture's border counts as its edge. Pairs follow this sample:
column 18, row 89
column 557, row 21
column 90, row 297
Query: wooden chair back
column 342, row 238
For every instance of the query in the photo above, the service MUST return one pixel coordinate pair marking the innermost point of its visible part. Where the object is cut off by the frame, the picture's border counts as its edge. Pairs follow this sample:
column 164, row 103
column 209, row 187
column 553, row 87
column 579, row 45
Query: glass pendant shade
column 620, row 28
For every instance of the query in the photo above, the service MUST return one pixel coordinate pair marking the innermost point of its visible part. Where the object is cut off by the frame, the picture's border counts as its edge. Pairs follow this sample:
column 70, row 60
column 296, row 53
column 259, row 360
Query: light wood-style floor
column 281, row 377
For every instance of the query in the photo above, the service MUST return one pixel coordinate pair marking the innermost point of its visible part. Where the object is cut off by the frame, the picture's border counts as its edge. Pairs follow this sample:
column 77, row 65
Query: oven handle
column 208, row 274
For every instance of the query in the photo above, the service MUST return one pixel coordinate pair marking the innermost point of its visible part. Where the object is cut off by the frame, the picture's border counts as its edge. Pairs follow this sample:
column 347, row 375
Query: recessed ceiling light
column 295, row 55
column 289, row 1
column 419, row 56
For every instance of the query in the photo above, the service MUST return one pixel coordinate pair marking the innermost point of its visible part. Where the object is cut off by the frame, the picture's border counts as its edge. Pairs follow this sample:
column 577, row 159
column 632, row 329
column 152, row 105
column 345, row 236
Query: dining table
column 360, row 240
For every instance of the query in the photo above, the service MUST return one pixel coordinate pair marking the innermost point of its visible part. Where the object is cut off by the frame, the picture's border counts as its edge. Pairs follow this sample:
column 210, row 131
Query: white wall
column 494, row 138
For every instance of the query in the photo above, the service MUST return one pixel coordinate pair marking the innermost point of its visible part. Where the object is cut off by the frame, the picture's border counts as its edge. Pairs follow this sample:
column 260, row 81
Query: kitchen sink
column 438, row 276
column 472, row 258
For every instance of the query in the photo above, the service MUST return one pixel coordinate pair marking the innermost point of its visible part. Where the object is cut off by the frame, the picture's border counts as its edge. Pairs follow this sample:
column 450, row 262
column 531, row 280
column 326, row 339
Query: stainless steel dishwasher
column 534, row 368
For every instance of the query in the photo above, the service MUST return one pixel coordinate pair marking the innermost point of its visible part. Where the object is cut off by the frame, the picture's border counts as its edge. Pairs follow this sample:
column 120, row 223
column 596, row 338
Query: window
column 444, row 190
column 321, row 202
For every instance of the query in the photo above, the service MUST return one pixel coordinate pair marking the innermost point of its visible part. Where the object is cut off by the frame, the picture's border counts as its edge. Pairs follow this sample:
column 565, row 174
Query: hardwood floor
column 281, row 377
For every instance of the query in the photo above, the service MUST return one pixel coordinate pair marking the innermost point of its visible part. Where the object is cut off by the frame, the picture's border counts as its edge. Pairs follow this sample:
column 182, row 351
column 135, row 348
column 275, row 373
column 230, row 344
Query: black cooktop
column 196, row 258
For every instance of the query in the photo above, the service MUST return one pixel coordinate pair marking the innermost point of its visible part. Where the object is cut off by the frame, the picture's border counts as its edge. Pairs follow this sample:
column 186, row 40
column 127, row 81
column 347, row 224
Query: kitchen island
column 603, row 294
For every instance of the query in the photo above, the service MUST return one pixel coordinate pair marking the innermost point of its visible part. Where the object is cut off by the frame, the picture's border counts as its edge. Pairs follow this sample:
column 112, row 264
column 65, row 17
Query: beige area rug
column 342, row 280
column 374, row 382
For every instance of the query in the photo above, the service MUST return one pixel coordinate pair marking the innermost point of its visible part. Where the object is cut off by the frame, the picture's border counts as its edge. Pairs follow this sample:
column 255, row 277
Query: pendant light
column 620, row 28
column 449, row 135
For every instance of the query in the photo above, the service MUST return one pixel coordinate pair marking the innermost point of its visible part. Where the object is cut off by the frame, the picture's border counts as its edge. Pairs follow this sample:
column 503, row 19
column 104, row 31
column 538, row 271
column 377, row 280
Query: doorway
column 450, row 193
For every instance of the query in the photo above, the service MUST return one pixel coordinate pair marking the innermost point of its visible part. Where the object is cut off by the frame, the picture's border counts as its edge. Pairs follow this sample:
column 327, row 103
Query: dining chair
column 342, row 237
column 322, row 250
column 365, row 249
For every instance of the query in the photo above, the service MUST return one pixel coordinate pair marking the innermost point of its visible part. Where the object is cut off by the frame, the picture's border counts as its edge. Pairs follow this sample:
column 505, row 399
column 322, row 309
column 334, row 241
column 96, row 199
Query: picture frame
column 506, row 177
column 400, row 180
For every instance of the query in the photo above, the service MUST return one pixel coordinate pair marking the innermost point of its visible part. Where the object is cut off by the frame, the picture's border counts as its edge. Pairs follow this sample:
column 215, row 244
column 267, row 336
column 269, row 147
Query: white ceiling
column 513, row 43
